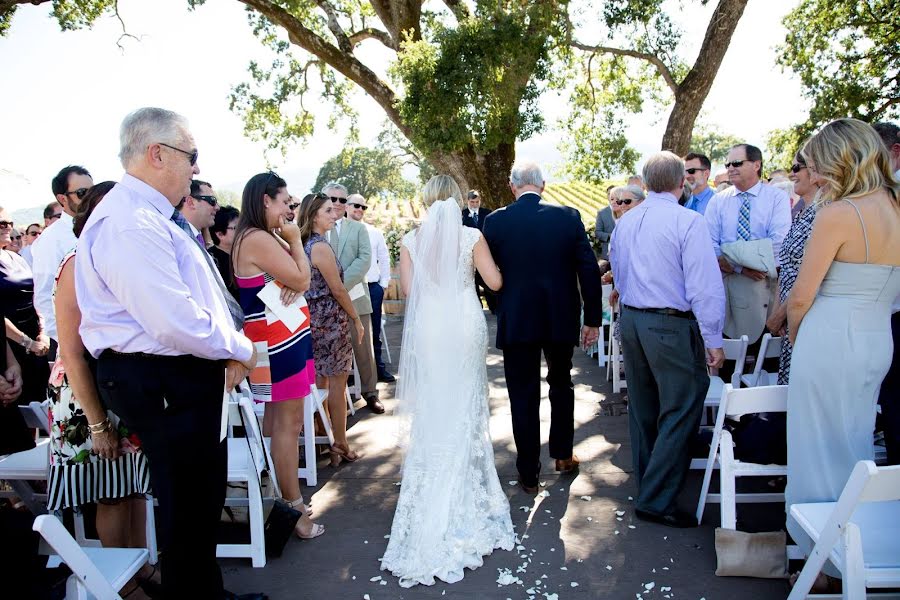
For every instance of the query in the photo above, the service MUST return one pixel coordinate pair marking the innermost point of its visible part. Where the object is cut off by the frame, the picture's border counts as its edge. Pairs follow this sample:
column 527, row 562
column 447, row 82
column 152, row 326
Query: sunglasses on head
column 355, row 205
column 735, row 163
column 693, row 170
column 211, row 200
column 80, row 193
column 336, row 199
column 5, row 224
column 192, row 156
column 626, row 201
column 797, row 167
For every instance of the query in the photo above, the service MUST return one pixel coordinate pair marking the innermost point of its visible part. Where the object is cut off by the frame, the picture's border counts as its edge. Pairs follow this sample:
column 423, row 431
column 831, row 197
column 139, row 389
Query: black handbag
column 282, row 518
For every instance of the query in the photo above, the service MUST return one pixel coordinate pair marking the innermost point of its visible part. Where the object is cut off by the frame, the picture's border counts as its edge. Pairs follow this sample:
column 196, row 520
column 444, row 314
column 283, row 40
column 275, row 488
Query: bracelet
column 101, row 427
column 27, row 342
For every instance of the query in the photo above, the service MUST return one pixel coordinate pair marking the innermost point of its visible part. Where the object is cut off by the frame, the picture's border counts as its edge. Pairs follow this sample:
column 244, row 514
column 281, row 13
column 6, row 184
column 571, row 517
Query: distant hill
column 586, row 197
column 26, row 216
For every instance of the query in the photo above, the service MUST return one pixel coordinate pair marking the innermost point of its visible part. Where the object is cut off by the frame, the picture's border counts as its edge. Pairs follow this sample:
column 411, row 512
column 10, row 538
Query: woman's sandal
column 342, row 453
column 317, row 528
column 299, row 505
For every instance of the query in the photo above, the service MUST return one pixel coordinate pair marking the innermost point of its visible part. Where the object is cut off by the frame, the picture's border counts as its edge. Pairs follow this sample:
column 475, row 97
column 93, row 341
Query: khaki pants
column 365, row 356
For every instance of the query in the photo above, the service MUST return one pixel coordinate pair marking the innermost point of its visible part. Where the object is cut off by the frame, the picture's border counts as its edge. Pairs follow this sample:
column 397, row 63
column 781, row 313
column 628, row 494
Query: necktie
column 237, row 314
column 475, row 218
column 200, row 241
column 743, row 224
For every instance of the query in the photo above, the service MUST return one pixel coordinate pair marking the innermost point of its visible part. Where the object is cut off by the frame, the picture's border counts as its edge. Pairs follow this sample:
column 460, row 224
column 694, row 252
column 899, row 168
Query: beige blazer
column 747, row 306
column 354, row 252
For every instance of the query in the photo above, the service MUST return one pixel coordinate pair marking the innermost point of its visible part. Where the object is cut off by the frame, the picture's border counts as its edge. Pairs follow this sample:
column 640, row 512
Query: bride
column 452, row 510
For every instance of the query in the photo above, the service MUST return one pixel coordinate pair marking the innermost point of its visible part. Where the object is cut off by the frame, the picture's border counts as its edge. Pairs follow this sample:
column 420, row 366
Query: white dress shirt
column 380, row 270
column 47, row 252
column 144, row 286
column 770, row 216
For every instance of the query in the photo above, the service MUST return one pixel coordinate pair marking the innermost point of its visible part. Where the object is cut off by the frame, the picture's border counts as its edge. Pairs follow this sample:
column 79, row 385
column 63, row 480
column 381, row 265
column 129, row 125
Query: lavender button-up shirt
column 143, row 286
column 662, row 258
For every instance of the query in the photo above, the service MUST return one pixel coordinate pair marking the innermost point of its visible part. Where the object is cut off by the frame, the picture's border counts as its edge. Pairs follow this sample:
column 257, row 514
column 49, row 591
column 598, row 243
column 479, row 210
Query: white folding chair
column 96, row 572
column 247, row 458
column 860, row 533
column 21, row 468
column 384, row 342
column 734, row 404
column 311, row 404
column 354, row 390
column 769, row 347
column 735, row 350
column 615, row 359
column 602, row 348
column 37, row 416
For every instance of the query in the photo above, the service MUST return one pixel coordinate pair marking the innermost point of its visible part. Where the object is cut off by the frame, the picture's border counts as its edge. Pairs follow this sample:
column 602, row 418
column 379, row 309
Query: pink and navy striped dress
column 284, row 368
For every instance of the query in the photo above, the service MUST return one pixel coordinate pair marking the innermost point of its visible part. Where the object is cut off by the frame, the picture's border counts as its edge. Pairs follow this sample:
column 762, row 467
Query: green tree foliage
column 847, row 55
column 714, row 143
column 370, row 172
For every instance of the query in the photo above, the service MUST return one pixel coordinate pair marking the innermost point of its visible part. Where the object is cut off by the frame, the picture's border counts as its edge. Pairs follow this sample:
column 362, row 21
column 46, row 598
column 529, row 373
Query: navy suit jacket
column 548, row 268
column 467, row 218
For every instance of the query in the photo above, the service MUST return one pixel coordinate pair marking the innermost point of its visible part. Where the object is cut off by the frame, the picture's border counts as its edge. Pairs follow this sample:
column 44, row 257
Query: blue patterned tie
column 234, row 309
column 743, row 224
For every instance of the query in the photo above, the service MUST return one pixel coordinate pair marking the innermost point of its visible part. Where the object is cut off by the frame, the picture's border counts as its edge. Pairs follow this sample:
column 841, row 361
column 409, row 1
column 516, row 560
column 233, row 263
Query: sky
column 65, row 93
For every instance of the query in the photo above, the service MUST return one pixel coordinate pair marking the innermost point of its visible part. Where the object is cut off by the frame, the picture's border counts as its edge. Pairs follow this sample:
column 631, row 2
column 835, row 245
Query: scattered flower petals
column 382, row 582
column 649, row 586
column 374, row 579
column 632, row 527
column 608, row 568
column 586, row 498
column 544, row 493
column 513, row 482
column 564, row 568
column 507, row 578
column 574, row 584
column 620, row 513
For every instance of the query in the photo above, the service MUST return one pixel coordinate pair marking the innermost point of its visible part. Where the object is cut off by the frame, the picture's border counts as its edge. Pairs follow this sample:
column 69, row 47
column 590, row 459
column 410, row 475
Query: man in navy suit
column 546, row 258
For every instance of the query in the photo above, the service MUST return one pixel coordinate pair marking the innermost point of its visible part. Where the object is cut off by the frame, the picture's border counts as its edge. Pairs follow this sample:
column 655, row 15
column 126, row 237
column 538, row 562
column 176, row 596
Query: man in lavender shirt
column 673, row 303
column 155, row 319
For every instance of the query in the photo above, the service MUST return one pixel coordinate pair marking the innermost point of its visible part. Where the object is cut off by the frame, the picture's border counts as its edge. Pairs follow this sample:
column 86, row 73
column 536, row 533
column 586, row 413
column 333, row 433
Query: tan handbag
column 741, row 554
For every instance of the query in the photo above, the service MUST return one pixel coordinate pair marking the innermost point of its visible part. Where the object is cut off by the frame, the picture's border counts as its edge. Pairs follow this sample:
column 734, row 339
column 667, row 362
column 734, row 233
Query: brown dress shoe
column 374, row 404
column 567, row 465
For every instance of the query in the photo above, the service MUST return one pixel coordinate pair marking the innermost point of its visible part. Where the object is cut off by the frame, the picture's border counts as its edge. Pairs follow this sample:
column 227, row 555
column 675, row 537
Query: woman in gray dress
column 839, row 313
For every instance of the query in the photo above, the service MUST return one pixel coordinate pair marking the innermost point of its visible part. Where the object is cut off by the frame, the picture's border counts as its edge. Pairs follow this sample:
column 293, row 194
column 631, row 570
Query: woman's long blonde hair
column 851, row 161
column 441, row 187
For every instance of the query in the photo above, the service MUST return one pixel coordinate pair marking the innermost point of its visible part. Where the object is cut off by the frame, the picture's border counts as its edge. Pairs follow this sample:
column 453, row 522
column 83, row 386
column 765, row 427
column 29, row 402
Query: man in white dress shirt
column 749, row 210
column 69, row 186
column 378, row 277
column 199, row 209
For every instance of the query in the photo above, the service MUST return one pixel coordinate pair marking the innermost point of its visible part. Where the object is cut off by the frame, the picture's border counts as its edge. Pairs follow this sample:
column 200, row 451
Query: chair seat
column 117, row 565
column 29, row 465
column 879, row 525
column 756, row 469
column 714, row 393
column 239, row 460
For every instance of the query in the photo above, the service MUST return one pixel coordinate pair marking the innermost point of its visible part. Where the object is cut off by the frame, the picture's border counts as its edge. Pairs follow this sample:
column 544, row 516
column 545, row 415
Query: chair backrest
column 71, row 553
column 36, row 416
column 769, row 347
column 736, row 350
column 881, row 484
column 738, row 402
column 258, row 450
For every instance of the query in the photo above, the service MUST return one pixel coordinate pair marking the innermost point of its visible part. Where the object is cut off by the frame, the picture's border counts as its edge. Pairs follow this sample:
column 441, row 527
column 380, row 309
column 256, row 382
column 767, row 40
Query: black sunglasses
column 192, row 155
column 336, row 199
column 211, row 200
column 625, row 201
column 735, row 164
column 355, row 205
column 797, row 167
column 293, row 206
column 80, row 193
column 5, row 224
column 693, row 170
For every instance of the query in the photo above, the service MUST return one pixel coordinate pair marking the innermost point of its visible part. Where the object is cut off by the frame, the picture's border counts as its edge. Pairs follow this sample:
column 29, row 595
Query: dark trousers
column 665, row 367
column 174, row 405
column 376, row 292
column 890, row 400
column 522, row 366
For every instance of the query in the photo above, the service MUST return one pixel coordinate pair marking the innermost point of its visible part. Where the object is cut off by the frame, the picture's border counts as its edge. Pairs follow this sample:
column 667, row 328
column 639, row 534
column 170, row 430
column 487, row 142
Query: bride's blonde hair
column 441, row 187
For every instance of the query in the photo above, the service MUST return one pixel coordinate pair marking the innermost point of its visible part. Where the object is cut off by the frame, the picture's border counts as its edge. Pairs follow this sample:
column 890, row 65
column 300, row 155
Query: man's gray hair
column 663, row 171
column 526, row 173
column 147, row 126
column 334, row 185
column 636, row 190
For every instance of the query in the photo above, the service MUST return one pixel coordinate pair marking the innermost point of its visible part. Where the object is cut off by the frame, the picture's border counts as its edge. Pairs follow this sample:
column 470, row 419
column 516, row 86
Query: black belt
column 671, row 312
column 108, row 353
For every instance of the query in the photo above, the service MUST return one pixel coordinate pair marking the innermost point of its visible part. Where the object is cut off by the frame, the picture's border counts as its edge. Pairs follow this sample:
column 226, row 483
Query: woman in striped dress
column 267, row 248
column 93, row 457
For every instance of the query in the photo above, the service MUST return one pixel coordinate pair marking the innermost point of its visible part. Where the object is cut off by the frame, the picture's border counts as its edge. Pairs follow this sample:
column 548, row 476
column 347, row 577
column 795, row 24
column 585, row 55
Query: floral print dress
column 76, row 475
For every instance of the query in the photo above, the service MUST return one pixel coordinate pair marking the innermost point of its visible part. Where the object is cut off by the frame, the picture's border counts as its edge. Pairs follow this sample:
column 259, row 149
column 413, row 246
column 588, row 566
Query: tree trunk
column 692, row 92
column 487, row 173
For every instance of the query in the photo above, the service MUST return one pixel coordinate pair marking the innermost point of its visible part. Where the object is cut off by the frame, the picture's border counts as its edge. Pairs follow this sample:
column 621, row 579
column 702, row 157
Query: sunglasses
column 735, row 163
column 192, row 155
column 16, row 237
column 626, row 201
column 355, row 205
column 55, row 216
column 80, row 193
column 693, row 170
column 211, row 200
column 796, row 168
column 293, row 206
column 336, row 199
column 5, row 224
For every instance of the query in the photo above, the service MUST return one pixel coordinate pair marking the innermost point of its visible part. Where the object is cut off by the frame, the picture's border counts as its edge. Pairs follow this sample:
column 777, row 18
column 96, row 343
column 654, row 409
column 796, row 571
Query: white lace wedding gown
column 452, row 510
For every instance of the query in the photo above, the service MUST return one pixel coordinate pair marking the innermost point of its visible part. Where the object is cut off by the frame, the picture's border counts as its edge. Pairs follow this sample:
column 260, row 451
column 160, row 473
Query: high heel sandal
column 342, row 452
column 301, row 506
column 317, row 528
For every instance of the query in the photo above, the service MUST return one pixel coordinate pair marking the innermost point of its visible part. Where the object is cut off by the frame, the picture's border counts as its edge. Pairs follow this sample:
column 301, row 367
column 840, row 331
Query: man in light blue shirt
column 673, row 309
column 749, row 210
column 696, row 172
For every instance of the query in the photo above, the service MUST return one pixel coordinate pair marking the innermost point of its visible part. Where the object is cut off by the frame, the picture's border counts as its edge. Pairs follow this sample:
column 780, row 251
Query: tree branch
column 334, row 26
column 370, row 32
column 458, row 8
column 125, row 33
column 656, row 61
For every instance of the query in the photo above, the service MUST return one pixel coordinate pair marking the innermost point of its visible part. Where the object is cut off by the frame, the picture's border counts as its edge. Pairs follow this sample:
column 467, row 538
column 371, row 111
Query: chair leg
column 309, row 444
column 257, row 533
column 853, row 570
column 152, row 548
column 326, row 421
column 707, row 476
column 726, row 477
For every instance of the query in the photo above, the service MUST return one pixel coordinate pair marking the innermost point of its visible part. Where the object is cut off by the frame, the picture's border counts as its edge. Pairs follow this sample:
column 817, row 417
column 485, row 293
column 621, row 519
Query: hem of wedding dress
column 471, row 560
